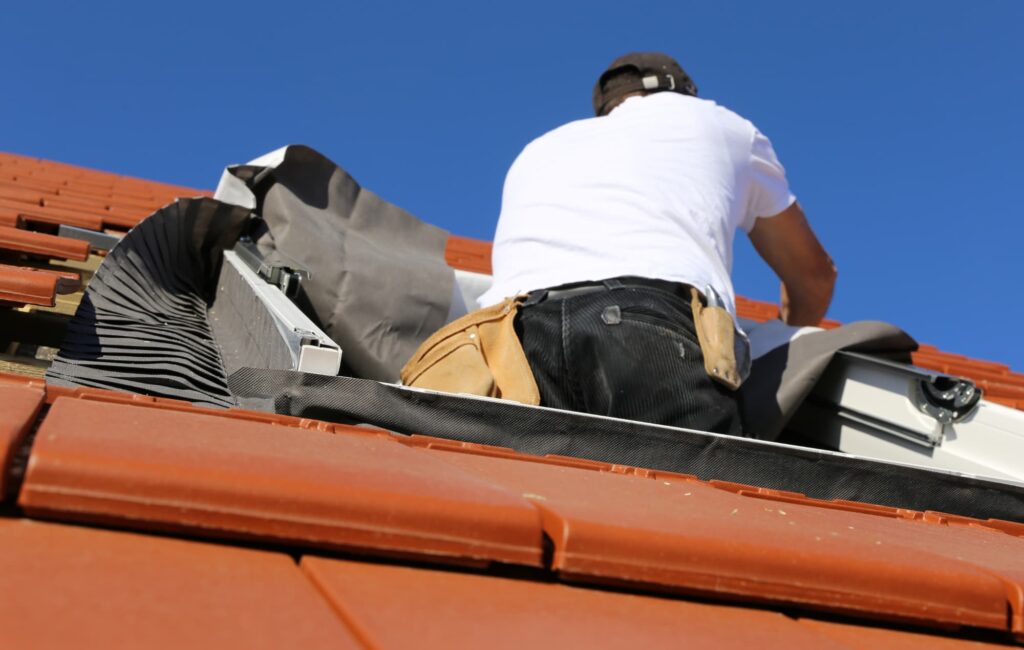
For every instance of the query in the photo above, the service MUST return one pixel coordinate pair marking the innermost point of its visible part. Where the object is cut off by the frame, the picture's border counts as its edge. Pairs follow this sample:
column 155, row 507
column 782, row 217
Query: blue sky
column 898, row 122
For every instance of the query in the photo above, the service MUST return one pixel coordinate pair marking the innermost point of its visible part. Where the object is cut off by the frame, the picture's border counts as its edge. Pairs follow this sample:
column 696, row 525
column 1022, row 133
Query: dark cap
column 650, row 72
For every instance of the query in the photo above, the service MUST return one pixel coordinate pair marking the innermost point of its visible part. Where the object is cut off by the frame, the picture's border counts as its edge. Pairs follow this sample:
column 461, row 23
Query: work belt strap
column 578, row 289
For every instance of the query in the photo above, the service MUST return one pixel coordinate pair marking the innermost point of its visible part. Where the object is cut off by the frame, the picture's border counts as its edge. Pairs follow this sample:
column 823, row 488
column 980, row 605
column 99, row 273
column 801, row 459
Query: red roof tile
column 22, row 285
column 9, row 217
column 469, row 254
column 401, row 607
column 53, row 216
column 679, row 532
column 35, row 243
column 19, row 406
column 189, row 470
column 859, row 637
column 71, row 587
column 14, row 192
column 38, row 194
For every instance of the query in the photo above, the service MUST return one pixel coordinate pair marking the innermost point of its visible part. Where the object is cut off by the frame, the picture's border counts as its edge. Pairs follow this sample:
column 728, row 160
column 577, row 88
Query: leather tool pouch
column 478, row 354
column 717, row 336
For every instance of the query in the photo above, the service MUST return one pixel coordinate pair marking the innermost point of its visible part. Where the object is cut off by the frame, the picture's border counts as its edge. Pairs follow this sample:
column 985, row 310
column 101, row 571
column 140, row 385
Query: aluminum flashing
column 270, row 329
column 65, row 586
column 875, row 409
column 215, row 475
column 96, row 239
column 19, row 407
column 401, row 607
column 673, row 531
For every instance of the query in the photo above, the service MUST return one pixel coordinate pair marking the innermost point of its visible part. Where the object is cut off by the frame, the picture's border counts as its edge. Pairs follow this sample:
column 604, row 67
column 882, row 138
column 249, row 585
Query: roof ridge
column 16, row 157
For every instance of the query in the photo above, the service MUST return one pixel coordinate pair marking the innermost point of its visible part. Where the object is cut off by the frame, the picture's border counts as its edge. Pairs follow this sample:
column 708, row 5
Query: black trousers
column 624, row 348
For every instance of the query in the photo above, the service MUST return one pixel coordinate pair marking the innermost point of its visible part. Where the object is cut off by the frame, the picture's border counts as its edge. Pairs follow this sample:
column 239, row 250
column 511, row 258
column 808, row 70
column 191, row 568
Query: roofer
column 615, row 225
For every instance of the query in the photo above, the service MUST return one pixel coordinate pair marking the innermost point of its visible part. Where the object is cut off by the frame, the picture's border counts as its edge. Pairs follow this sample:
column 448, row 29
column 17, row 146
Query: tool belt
column 478, row 354
column 716, row 333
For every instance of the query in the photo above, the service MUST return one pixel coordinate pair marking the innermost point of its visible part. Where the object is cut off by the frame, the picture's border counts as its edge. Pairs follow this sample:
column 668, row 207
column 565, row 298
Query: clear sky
column 899, row 122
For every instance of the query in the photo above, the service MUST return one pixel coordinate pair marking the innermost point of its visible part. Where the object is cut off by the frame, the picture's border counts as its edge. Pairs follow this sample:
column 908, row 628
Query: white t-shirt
column 655, row 189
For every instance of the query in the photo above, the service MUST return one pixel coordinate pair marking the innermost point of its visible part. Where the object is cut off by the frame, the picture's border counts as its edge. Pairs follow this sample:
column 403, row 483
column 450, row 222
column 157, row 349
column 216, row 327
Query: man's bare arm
column 789, row 246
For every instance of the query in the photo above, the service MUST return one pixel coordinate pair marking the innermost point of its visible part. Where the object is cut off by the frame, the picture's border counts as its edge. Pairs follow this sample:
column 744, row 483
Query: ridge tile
column 694, row 537
column 223, row 476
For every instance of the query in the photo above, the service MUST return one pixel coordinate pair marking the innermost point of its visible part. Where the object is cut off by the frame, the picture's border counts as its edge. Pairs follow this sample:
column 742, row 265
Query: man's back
column 620, row 230
column 655, row 189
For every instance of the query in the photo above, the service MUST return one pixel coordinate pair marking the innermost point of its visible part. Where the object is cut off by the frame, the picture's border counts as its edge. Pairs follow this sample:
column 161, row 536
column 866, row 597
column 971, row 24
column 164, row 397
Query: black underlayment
column 542, row 431
column 142, row 324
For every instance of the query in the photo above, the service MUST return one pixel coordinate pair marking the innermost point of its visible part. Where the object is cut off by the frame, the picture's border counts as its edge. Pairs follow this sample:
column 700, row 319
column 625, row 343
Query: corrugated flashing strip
column 142, row 326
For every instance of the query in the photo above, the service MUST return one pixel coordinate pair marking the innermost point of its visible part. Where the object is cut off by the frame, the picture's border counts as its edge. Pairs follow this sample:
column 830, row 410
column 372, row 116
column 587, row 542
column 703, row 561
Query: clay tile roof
column 68, row 586
column 38, row 196
column 171, row 525
column 149, row 464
